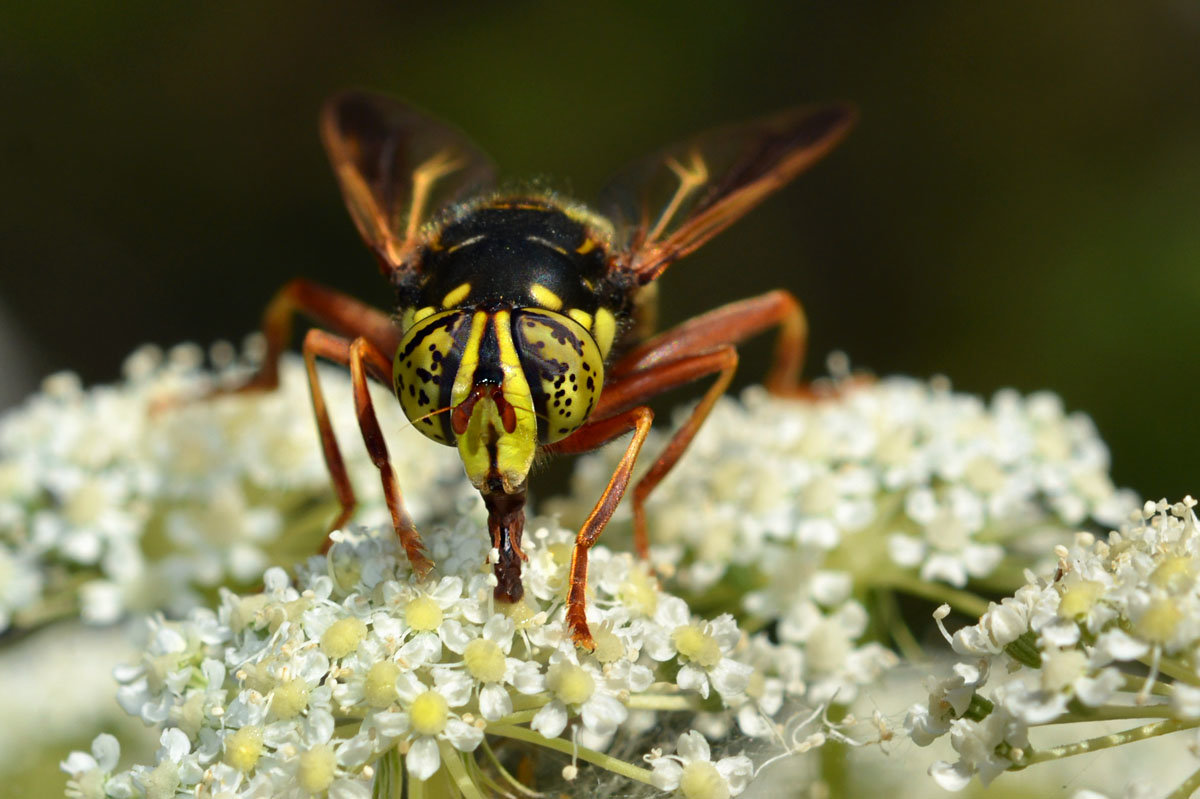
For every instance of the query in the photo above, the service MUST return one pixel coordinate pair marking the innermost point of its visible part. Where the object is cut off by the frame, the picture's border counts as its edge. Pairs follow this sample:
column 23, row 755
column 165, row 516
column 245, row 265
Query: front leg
column 589, row 437
column 331, row 310
column 365, row 357
column 730, row 324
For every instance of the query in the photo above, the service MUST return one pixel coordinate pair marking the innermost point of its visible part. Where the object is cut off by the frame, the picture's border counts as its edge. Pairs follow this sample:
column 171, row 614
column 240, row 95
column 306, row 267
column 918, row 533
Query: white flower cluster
column 106, row 503
column 1092, row 642
column 793, row 508
column 319, row 686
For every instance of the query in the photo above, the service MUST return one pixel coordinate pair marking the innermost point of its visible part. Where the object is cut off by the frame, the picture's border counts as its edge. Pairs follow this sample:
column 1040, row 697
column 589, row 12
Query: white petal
column 737, row 771
column 950, row 776
column 601, row 714
column 456, row 635
column 730, row 677
column 78, row 763
column 665, row 773
column 551, row 720
column 463, row 736
column 693, row 746
column 691, row 678
column 343, row 788
column 107, row 751
column 528, row 678
column 494, row 702
column 423, row 758
column 174, row 743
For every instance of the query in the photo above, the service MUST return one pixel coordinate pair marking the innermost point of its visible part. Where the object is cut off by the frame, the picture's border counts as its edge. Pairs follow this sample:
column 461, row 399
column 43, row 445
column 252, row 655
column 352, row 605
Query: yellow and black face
column 504, row 349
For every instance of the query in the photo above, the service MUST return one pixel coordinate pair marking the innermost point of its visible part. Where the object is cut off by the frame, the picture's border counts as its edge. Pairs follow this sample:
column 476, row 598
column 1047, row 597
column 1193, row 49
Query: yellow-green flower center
column 609, row 648
column 429, row 713
column 696, row 645
column 701, row 780
column 379, row 689
column 316, row 769
column 639, row 592
column 290, row 698
column 343, row 637
column 1174, row 573
column 485, row 660
column 1160, row 621
column 243, row 748
column 423, row 614
column 570, row 683
column 1078, row 599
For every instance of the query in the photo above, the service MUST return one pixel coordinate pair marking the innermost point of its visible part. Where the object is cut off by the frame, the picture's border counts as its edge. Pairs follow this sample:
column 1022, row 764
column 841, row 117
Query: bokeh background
column 1018, row 206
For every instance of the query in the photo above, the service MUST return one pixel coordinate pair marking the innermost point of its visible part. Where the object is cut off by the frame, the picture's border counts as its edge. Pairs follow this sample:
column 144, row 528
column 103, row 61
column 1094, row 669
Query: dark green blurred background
column 1019, row 205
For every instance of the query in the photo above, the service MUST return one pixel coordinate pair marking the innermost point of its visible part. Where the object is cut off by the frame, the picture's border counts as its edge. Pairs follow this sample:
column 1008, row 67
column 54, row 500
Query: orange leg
column 730, row 324
column 363, row 359
column 588, row 437
column 329, row 309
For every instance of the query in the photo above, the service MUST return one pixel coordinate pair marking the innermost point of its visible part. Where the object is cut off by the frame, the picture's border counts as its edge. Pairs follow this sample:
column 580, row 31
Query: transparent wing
column 670, row 203
column 397, row 168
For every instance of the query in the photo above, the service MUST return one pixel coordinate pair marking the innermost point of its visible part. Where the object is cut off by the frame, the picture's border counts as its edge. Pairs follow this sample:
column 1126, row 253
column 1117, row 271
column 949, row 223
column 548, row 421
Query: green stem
column 1134, row 685
column 520, row 717
column 661, row 702
column 1132, row 735
column 897, row 628
column 504, row 773
column 1175, row 670
column 1114, row 713
column 452, row 760
column 1187, row 788
column 965, row 602
column 566, row 747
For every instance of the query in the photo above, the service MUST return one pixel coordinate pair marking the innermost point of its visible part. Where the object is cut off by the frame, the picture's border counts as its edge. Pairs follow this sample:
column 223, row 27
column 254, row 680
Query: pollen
column 1078, row 599
column 1174, row 574
column 343, row 637
column 640, row 592
column 379, row 689
column 609, row 648
column 316, row 769
column 423, row 614
column 163, row 780
column 570, row 683
column 244, row 747
column 290, row 699
column 429, row 713
column 701, row 780
column 485, row 660
column 696, row 645
column 1160, row 621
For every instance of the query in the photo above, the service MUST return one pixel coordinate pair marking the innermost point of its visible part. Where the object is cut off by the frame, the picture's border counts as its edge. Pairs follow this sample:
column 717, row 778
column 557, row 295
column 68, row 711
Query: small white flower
column 692, row 773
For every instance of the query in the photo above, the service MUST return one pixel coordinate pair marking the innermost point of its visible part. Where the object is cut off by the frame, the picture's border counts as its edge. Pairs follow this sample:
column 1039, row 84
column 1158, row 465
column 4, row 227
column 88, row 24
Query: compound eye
column 426, row 363
column 563, row 367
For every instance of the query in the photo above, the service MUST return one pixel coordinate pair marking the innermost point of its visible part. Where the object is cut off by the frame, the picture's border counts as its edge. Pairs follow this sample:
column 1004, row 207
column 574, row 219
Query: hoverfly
column 516, row 331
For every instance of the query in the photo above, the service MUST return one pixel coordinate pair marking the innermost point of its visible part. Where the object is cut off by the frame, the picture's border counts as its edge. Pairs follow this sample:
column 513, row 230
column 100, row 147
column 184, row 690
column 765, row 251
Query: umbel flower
column 340, row 678
column 109, row 502
column 1112, row 635
column 763, row 627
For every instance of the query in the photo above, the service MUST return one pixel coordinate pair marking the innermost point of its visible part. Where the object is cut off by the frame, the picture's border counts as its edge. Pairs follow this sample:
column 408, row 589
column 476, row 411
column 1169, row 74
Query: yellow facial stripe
column 422, row 313
column 604, row 330
column 545, row 297
column 456, row 296
column 514, row 451
column 588, row 245
column 582, row 317
column 465, row 378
